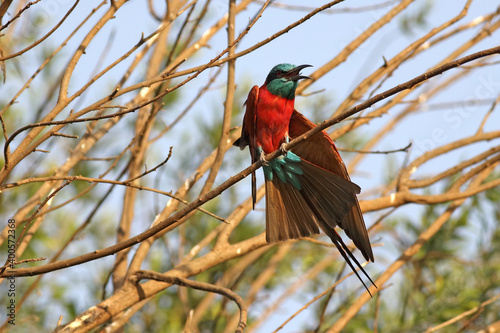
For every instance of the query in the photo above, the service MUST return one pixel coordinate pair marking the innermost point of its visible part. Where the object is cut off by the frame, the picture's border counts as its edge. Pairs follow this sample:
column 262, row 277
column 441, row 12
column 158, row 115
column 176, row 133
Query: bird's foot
column 282, row 149
column 262, row 158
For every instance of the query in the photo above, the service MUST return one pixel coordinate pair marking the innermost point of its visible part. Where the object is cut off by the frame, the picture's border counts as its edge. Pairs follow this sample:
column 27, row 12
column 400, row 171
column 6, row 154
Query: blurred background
column 445, row 134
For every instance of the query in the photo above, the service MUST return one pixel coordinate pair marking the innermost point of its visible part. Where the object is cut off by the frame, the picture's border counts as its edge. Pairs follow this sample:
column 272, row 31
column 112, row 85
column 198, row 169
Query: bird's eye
column 279, row 72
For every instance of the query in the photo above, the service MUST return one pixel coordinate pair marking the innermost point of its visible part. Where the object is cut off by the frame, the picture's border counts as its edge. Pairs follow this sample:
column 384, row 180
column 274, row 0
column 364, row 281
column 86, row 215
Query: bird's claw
column 282, row 149
column 262, row 159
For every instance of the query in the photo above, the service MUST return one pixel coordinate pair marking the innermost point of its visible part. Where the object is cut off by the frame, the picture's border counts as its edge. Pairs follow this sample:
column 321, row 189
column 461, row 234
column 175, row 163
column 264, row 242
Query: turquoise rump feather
column 286, row 168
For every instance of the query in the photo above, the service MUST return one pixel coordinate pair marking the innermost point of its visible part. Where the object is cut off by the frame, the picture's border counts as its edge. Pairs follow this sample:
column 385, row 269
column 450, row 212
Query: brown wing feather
column 249, row 121
column 248, row 133
column 330, row 194
column 321, row 151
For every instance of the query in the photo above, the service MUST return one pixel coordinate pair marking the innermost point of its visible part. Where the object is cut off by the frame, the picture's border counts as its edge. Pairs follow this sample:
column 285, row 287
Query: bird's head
column 282, row 80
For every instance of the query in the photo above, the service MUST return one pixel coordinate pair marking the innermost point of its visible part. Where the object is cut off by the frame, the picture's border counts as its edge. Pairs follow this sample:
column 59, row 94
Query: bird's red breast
column 272, row 118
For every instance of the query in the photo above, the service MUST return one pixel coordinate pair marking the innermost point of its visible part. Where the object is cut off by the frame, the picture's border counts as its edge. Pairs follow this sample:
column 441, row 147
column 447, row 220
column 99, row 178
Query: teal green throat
column 283, row 88
column 286, row 168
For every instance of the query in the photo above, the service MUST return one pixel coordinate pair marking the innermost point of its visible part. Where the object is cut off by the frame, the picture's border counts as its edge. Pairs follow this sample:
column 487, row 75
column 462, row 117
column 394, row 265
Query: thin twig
column 152, row 170
column 13, row 55
column 15, row 17
column 490, row 111
column 180, row 281
column 29, row 260
column 65, row 135
column 404, row 150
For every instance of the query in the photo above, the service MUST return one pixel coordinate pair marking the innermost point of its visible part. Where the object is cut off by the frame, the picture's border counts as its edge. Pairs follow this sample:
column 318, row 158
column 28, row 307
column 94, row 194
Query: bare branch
column 200, row 286
column 18, row 15
column 26, row 49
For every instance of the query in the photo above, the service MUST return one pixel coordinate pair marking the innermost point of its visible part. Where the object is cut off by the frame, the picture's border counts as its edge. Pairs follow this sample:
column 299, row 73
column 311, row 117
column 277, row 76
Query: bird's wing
column 249, row 121
column 320, row 150
column 248, row 131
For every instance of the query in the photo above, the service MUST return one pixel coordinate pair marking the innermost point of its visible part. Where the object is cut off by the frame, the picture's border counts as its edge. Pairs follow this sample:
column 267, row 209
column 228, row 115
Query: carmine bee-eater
column 308, row 188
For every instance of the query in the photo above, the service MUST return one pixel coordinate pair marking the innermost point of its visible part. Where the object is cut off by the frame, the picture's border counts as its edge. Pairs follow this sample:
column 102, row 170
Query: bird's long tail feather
column 302, row 199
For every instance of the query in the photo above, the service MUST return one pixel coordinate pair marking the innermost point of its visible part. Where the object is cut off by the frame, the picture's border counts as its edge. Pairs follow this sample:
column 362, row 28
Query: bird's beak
column 294, row 74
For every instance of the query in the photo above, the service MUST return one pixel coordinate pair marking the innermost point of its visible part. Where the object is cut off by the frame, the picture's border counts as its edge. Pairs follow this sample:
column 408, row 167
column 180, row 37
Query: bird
column 308, row 188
